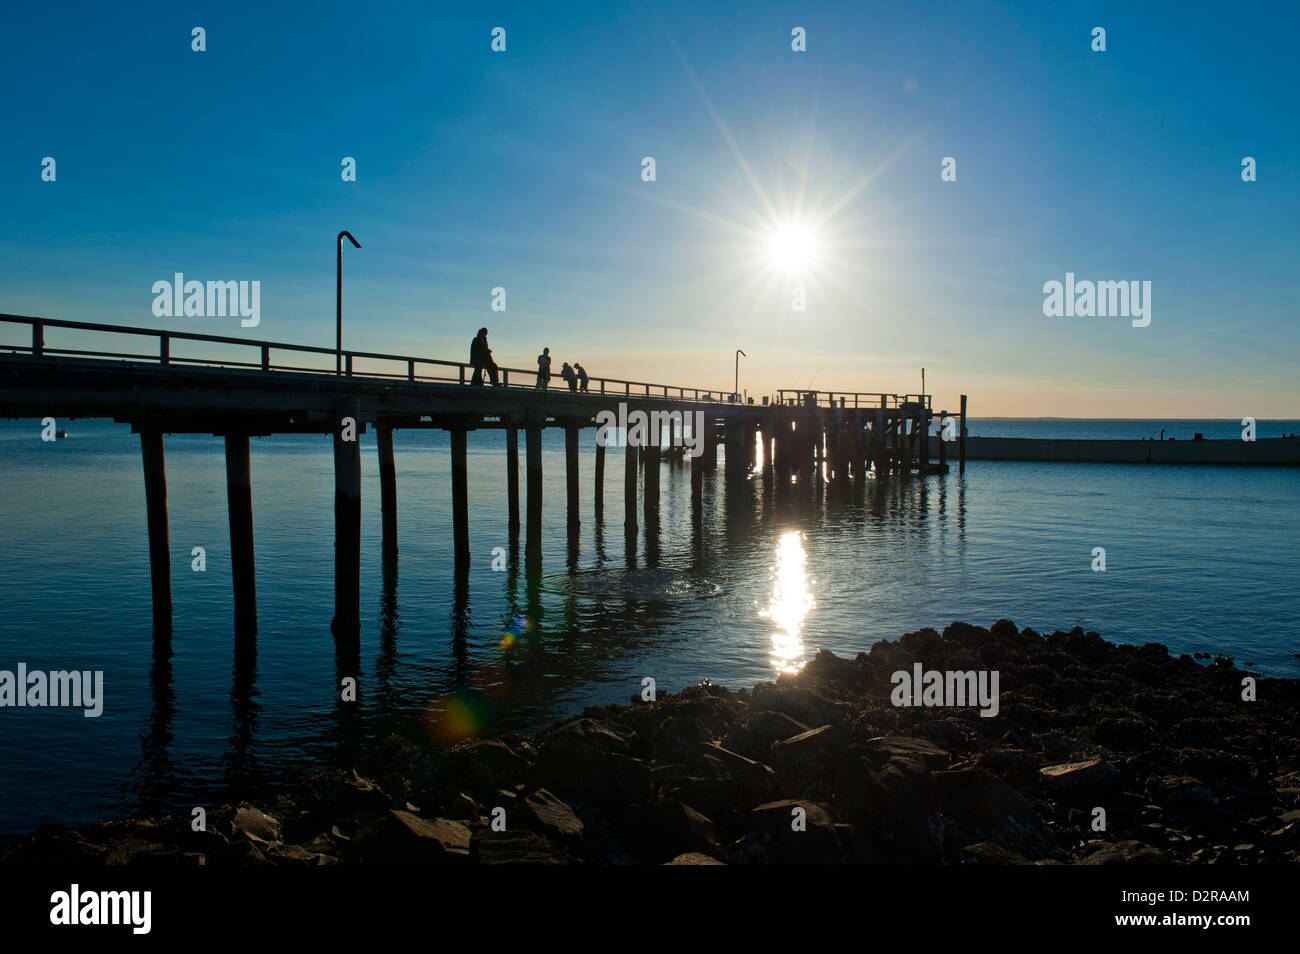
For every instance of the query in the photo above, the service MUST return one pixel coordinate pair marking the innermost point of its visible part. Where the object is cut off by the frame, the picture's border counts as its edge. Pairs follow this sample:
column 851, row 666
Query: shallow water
column 1199, row 558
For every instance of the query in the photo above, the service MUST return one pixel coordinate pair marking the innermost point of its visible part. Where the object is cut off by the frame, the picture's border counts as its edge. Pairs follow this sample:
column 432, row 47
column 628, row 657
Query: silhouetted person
column 480, row 356
column 567, row 373
column 544, row 368
column 582, row 376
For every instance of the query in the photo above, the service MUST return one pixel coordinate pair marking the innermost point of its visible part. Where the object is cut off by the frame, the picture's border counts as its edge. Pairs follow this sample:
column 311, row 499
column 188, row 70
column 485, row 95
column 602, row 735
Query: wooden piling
column 347, row 529
column 651, row 456
column 961, row 439
column 734, row 462
column 533, row 531
column 160, row 567
column 599, row 479
column 512, row 475
column 571, row 474
column 460, row 498
column 239, row 503
column 855, row 445
column 697, row 481
column 387, row 489
column 629, row 488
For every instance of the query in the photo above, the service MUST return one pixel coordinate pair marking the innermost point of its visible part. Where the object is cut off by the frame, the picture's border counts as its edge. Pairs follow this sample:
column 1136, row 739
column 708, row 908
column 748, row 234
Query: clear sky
column 523, row 169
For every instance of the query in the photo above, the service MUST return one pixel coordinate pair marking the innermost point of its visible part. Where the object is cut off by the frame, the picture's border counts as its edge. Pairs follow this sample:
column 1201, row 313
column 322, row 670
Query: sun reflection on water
column 790, row 602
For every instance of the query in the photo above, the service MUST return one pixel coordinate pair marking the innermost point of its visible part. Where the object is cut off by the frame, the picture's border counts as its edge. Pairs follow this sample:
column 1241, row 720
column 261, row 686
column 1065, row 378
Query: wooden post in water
column 734, row 462
column 599, row 479
column 961, row 439
column 239, row 503
column 697, row 478
column 160, row 566
column 571, row 474
column 533, row 531
column 650, row 455
column 347, row 524
column 512, row 475
column 460, row 497
column 855, row 444
column 387, row 488
column 629, row 487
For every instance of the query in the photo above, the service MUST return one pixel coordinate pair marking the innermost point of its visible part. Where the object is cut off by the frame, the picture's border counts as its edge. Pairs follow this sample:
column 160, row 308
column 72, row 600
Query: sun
column 791, row 247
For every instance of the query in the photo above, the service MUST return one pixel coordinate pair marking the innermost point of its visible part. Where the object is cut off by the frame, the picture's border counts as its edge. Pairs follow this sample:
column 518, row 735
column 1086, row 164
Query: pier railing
column 272, row 356
column 851, row 399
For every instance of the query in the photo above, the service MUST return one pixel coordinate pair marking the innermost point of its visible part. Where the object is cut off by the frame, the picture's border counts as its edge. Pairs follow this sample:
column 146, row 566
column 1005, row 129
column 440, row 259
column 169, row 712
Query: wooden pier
column 797, row 438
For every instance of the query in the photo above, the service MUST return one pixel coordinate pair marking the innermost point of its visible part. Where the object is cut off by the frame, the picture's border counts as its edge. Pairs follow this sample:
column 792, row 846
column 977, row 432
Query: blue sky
column 522, row 169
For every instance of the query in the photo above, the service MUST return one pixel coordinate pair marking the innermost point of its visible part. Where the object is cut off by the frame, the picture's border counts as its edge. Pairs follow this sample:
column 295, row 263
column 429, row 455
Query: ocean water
column 1203, row 559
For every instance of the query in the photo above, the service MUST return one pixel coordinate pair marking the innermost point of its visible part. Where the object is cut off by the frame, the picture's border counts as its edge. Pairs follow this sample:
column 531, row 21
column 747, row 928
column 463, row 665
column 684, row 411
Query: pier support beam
column 651, row 492
column 239, row 503
column 387, row 488
column 630, row 466
column 961, row 439
column 512, row 475
column 460, row 497
column 600, row 479
column 697, row 476
column 160, row 567
column 734, row 462
column 571, row 475
column 347, row 527
column 533, row 531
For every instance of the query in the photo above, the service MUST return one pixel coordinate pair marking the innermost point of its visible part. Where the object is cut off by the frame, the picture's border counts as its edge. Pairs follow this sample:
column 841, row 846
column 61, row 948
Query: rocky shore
column 817, row 768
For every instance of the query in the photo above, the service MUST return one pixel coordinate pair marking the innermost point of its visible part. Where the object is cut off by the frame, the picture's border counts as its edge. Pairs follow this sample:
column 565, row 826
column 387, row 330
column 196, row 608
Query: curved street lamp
column 338, row 356
column 739, row 355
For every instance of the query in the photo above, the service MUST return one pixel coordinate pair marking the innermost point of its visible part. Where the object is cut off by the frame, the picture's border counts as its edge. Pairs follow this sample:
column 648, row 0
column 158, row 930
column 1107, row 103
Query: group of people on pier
column 480, row 358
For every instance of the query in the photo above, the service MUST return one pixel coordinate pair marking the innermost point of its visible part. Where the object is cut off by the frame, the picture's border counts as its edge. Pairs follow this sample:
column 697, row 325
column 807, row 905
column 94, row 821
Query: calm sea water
column 1199, row 558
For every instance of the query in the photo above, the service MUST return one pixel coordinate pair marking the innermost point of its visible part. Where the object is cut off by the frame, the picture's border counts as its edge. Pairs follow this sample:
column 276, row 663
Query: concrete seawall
column 1275, row 451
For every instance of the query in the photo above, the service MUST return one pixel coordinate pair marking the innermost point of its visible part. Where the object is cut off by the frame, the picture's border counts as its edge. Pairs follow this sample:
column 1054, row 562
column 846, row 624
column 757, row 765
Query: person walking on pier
column 582, row 376
column 480, row 356
column 544, row 368
column 567, row 373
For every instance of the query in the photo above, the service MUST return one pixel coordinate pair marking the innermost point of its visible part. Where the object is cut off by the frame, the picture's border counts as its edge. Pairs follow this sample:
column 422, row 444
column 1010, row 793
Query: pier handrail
column 852, row 399
column 525, row 378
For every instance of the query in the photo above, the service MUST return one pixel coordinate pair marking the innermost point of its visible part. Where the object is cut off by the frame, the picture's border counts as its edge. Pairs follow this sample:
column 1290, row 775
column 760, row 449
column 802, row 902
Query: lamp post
column 338, row 356
column 739, row 355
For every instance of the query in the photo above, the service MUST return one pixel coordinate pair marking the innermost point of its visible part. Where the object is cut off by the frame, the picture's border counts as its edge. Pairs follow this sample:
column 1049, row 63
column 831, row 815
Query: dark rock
column 806, row 760
column 402, row 838
column 979, row 807
column 711, row 797
column 1080, row 784
column 770, row 727
column 816, row 844
column 990, row 853
column 543, row 813
column 661, row 831
column 758, row 783
column 515, row 848
column 694, row 858
column 884, row 748
column 261, row 829
column 487, row 764
column 1123, row 853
